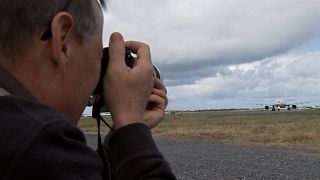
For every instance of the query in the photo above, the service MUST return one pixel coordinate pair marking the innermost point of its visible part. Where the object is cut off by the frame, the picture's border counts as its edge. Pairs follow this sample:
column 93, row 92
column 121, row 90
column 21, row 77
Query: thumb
column 116, row 51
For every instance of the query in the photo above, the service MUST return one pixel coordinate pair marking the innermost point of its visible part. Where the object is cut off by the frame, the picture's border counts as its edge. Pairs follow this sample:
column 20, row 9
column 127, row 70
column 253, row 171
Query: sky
column 226, row 53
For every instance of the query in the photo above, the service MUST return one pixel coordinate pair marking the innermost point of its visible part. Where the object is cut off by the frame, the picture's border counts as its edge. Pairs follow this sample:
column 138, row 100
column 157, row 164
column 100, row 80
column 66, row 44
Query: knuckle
column 146, row 47
column 148, row 71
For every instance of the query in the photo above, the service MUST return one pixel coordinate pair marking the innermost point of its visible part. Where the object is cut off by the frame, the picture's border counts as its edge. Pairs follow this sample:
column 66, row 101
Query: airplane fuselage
column 279, row 103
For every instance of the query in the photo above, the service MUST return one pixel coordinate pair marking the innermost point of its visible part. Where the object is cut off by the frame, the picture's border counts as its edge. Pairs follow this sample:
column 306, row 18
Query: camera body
column 104, row 65
column 96, row 99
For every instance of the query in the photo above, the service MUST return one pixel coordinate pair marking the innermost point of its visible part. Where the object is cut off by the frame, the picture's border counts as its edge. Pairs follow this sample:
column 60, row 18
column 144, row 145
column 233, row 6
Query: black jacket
column 37, row 142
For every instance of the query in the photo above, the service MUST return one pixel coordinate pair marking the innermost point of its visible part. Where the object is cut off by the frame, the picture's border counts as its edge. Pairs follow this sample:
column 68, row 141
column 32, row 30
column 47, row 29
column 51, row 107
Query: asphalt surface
column 191, row 159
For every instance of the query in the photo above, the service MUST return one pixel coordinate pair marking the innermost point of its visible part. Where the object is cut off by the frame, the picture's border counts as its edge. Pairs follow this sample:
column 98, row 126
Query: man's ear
column 63, row 34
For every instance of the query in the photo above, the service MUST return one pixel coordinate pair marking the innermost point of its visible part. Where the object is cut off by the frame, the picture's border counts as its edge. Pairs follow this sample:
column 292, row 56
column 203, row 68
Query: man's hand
column 127, row 91
column 157, row 104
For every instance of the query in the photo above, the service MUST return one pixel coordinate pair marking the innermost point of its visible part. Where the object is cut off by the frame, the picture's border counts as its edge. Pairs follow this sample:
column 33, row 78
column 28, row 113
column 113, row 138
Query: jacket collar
column 9, row 85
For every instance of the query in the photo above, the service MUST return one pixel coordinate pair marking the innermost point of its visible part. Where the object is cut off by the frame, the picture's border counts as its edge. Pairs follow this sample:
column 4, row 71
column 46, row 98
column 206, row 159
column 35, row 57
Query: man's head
column 53, row 48
column 20, row 21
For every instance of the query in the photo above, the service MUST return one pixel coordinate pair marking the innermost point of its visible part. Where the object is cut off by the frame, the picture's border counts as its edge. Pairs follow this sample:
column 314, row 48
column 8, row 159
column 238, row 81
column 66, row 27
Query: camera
column 96, row 99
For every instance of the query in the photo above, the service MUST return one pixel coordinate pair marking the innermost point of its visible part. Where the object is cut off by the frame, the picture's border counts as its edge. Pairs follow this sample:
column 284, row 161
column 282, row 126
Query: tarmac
column 206, row 160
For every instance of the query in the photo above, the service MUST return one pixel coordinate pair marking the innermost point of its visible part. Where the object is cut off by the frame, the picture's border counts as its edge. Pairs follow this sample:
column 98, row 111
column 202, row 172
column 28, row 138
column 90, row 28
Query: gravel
column 192, row 159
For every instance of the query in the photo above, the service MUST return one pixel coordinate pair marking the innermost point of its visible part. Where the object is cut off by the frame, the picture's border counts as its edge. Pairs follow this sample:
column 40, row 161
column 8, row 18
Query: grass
column 300, row 128
column 89, row 125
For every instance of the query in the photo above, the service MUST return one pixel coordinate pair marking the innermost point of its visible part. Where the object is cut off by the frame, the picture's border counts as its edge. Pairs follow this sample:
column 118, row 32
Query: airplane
column 281, row 103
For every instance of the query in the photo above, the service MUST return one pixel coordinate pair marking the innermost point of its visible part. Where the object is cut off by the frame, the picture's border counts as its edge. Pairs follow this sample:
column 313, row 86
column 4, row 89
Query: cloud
column 207, row 31
column 220, row 50
column 246, row 85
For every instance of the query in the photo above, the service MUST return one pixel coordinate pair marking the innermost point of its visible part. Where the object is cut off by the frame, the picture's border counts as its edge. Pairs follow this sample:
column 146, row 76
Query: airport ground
column 284, row 128
column 237, row 144
column 208, row 160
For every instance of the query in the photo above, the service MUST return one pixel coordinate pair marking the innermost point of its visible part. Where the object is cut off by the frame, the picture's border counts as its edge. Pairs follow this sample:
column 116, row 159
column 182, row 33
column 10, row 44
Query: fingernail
column 116, row 37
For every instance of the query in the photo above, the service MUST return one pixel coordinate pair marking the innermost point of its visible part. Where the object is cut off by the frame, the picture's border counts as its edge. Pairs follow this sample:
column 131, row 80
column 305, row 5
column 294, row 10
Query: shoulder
column 14, row 108
column 23, row 115
column 23, row 119
column 34, row 136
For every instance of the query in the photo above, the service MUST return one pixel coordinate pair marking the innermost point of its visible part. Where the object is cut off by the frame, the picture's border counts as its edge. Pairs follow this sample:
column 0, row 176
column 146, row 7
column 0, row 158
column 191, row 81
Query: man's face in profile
column 85, row 69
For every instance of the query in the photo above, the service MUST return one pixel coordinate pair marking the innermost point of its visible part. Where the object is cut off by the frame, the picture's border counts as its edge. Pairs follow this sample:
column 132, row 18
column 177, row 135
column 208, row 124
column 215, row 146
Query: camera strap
column 102, row 154
column 106, row 174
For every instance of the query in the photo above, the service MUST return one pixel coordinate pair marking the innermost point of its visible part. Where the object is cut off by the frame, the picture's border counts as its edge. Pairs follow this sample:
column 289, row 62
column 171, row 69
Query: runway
column 204, row 160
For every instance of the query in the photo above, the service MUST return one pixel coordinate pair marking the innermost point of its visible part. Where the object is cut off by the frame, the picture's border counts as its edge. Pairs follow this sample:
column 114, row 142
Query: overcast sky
column 226, row 53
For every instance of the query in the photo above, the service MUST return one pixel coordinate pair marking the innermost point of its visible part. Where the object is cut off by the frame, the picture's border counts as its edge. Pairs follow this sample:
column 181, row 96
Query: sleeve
column 58, row 152
column 136, row 154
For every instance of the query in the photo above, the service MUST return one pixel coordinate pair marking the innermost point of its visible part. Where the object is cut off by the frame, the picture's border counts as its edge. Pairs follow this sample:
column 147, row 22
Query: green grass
column 278, row 128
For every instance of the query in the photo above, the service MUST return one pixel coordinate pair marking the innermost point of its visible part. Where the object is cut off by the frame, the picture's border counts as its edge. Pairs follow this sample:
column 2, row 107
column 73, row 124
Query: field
column 298, row 128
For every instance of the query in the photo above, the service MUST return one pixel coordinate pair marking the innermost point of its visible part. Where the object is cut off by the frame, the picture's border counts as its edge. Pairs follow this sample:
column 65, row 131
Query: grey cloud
column 256, row 83
column 200, row 34
column 196, row 42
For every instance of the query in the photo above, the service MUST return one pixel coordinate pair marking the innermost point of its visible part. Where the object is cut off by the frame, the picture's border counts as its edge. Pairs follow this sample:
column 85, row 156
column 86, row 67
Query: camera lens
column 97, row 98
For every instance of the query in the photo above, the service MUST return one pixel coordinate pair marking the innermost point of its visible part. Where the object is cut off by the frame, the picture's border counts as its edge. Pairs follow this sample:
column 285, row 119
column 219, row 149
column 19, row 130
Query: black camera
column 104, row 65
column 96, row 99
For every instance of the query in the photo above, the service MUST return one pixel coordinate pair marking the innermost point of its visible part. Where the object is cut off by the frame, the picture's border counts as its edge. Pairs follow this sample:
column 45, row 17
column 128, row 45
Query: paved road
column 211, row 160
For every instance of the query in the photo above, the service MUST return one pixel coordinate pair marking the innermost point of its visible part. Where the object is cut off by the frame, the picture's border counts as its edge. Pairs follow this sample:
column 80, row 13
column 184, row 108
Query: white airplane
column 281, row 103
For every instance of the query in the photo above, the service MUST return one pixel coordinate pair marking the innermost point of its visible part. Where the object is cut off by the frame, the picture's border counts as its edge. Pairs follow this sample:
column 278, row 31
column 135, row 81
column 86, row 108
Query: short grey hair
column 21, row 20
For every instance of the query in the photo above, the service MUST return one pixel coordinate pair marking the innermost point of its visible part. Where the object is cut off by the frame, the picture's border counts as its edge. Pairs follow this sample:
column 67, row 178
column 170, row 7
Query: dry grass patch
column 89, row 125
column 277, row 128
column 280, row 128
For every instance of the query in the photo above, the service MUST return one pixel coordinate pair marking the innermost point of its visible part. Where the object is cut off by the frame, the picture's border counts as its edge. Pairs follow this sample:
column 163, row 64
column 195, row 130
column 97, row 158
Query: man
column 50, row 53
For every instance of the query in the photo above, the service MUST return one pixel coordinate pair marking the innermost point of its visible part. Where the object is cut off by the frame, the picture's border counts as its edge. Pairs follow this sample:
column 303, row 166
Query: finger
column 159, row 85
column 159, row 101
column 116, row 51
column 142, row 50
column 160, row 93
